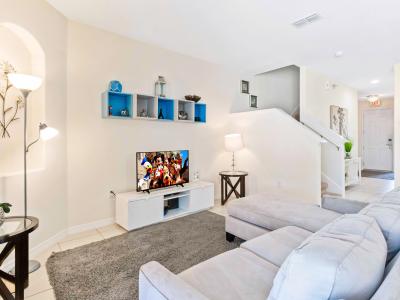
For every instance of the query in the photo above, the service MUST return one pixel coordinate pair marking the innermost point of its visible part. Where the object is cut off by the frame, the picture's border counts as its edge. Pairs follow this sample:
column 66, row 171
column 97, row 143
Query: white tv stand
column 137, row 209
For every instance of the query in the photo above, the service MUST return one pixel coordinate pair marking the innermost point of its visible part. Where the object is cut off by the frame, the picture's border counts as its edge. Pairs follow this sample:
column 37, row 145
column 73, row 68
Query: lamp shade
column 24, row 82
column 233, row 142
column 47, row 133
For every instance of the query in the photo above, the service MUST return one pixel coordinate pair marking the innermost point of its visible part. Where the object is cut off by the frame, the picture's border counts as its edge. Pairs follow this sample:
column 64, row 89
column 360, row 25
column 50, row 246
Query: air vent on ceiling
column 307, row 20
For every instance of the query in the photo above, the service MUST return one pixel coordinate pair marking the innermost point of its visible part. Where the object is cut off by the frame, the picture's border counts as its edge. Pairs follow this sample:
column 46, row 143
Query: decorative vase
column 1, row 216
column 348, row 155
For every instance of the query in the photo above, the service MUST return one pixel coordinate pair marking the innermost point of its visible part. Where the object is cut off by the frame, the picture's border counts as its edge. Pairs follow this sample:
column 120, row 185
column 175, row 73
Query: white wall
column 278, row 88
column 18, row 52
column 396, row 126
column 101, row 152
column 281, row 155
column 47, row 188
column 316, row 100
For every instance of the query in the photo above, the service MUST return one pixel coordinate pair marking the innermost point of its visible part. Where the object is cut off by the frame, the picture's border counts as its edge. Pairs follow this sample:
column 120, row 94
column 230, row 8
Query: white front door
column 378, row 127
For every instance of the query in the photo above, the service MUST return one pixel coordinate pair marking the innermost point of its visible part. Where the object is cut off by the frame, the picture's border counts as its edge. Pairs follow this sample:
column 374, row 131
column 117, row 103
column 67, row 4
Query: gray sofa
column 351, row 256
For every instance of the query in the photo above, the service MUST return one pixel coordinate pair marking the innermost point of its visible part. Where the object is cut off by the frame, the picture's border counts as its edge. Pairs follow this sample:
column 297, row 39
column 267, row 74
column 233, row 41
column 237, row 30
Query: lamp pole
column 25, row 94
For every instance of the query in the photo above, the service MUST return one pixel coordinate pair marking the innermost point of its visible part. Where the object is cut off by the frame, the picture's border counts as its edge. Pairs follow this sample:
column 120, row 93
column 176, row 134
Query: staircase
column 324, row 190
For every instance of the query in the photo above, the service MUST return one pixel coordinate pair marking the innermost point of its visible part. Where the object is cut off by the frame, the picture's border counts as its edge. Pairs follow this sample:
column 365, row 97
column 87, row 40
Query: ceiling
column 258, row 35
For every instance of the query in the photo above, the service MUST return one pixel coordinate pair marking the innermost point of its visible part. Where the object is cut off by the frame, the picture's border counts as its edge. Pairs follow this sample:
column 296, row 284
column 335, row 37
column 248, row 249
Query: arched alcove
column 24, row 53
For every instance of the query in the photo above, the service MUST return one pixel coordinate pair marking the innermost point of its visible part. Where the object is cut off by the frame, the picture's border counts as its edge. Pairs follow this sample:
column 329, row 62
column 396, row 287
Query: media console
column 136, row 209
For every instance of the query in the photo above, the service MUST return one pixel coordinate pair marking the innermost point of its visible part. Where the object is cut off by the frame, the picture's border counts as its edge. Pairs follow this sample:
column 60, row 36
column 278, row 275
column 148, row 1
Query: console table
column 15, row 232
column 227, row 182
column 137, row 209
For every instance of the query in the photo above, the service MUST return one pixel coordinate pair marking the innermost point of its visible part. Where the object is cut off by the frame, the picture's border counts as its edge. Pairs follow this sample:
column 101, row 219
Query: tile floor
column 369, row 190
column 39, row 288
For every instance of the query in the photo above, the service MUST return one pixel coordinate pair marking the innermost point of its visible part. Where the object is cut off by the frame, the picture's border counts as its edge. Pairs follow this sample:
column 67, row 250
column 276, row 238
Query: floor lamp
column 26, row 84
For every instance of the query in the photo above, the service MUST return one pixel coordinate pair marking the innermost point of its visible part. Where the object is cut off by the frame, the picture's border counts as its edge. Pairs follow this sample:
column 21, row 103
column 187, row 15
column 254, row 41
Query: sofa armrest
column 158, row 283
column 342, row 205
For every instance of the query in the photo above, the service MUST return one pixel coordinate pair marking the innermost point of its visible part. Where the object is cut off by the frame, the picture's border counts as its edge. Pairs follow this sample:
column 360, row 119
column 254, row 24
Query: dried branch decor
column 8, row 114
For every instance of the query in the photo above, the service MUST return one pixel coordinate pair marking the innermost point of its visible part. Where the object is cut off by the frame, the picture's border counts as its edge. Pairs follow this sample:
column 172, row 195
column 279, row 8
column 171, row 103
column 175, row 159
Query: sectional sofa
column 327, row 255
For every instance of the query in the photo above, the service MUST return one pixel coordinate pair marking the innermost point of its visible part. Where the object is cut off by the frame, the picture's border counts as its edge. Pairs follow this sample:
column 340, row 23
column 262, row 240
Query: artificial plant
column 8, row 114
column 6, row 207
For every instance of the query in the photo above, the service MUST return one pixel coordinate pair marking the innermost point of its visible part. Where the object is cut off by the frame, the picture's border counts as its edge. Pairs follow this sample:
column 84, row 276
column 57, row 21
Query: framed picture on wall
column 253, row 101
column 245, row 87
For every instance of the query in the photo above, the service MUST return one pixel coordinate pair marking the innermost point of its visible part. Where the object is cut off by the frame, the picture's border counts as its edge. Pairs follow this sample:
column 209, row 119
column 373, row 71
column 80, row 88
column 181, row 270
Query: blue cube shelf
column 200, row 112
column 167, row 107
column 118, row 102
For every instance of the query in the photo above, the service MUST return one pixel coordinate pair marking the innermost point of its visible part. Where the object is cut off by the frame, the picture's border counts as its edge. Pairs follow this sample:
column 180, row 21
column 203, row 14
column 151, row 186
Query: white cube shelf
column 147, row 104
column 187, row 107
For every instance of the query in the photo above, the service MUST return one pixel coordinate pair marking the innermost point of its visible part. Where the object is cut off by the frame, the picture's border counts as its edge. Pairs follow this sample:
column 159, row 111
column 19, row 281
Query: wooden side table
column 226, row 182
column 15, row 232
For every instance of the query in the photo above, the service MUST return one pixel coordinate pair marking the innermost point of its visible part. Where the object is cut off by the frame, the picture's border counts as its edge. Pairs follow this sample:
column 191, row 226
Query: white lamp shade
column 48, row 133
column 233, row 142
column 25, row 82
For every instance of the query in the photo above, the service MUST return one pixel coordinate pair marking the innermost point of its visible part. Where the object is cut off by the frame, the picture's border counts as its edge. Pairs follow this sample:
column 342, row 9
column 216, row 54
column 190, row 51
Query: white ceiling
column 258, row 35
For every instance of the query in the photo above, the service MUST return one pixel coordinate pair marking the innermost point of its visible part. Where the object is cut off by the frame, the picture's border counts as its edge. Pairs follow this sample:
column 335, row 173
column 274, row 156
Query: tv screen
column 161, row 169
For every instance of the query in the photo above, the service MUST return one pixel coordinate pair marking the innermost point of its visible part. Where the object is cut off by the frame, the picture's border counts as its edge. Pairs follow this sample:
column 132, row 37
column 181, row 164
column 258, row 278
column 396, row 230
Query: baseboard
column 89, row 226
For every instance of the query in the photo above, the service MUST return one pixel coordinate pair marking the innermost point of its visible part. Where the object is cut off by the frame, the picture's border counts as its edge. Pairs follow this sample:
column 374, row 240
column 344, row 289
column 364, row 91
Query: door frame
column 362, row 133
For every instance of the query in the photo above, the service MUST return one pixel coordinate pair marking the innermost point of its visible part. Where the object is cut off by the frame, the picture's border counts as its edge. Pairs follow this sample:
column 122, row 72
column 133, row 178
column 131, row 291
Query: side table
column 226, row 182
column 15, row 232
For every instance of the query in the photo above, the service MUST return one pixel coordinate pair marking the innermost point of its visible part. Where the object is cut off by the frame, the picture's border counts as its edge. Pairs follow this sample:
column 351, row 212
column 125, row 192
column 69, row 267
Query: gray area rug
column 388, row 175
column 109, row 269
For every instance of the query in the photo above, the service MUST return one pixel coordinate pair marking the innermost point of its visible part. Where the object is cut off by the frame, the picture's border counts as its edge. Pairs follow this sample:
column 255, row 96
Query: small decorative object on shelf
column 194, row 98
column 110, row 110
column 160, row 86
column 143, row 113
column 348, row 145
column 183, row 115
column 125, row 112
column 245, row 87
column 115, row 86
column 253, row 101
column 160, row 114
column 4, row 209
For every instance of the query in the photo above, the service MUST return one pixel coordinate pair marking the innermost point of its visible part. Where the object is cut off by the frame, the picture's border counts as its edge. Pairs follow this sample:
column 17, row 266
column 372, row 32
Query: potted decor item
column 348, row 145
column 4, row 209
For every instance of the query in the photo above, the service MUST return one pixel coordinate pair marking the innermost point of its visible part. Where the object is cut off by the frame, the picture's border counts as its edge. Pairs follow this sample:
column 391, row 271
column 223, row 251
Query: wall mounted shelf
column 145, row 107
column 165, row 110
column 200, row 112
column 117, row 105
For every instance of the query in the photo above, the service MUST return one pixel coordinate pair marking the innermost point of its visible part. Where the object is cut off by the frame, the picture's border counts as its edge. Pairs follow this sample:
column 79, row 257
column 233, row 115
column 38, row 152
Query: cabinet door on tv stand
column 202, row 198
column 145, row 212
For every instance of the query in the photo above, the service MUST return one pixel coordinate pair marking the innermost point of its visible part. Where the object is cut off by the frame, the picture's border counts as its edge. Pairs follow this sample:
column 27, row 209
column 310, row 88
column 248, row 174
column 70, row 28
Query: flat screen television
column 161, row 169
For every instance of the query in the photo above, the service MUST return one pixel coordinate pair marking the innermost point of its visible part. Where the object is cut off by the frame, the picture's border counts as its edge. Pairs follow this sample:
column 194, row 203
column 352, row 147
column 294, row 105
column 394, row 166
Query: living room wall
column 46, row 187
column 319, row 92
column 101, row 152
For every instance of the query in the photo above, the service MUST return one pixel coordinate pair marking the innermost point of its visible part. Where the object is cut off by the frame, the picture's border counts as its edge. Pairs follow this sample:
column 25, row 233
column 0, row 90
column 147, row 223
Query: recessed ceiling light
column 339, row 53
column 375, row 81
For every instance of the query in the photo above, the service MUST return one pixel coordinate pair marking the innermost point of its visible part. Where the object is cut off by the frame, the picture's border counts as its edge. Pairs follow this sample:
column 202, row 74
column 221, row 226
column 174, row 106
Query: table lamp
column 26, row 84
column 233, row 142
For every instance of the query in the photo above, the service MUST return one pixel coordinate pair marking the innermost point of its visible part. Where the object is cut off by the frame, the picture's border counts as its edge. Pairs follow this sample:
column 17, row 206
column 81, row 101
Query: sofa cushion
column 392, row 197
column 344, row 260
column 236, row 274
column 388, row 217
column 389, row 289
column 273, row 212
column 276, row 245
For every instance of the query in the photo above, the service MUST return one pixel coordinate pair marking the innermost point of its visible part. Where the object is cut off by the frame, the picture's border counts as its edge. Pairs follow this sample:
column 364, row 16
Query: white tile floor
column 369, row 190
column 39, row 288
